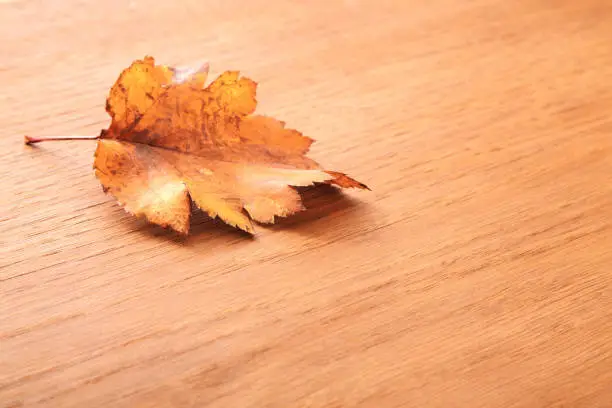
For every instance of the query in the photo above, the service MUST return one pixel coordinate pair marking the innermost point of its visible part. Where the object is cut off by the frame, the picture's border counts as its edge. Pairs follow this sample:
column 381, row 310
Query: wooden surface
column 477, row 273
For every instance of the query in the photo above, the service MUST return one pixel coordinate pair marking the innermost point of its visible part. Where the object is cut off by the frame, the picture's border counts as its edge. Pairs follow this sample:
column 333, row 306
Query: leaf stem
column 31, row 140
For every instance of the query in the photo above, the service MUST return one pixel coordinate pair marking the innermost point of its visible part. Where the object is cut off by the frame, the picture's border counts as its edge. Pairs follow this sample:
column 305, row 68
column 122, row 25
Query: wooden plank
column 475, row 274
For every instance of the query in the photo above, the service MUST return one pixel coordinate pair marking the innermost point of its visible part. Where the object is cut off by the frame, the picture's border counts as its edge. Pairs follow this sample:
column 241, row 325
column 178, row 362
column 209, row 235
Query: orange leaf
column 173, row 141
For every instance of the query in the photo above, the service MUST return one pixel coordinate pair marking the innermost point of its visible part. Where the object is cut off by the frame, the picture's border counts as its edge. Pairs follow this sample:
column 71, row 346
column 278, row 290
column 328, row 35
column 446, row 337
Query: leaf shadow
column 201, row 224
column 322, row 202
column 53, row 159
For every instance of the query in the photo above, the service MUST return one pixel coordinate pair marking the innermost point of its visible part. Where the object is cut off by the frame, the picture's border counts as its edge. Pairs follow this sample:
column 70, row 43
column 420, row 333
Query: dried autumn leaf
column 173, row 141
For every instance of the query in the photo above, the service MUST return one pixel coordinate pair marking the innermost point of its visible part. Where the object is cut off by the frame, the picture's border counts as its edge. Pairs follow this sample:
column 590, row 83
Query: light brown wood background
column 477, row 273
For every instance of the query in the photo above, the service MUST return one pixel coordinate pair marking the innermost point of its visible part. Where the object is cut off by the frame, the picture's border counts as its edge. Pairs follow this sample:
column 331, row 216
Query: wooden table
column 476, row 273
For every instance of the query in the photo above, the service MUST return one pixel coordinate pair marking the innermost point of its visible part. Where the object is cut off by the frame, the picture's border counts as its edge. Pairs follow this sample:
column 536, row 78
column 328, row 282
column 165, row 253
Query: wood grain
column 477, row 273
